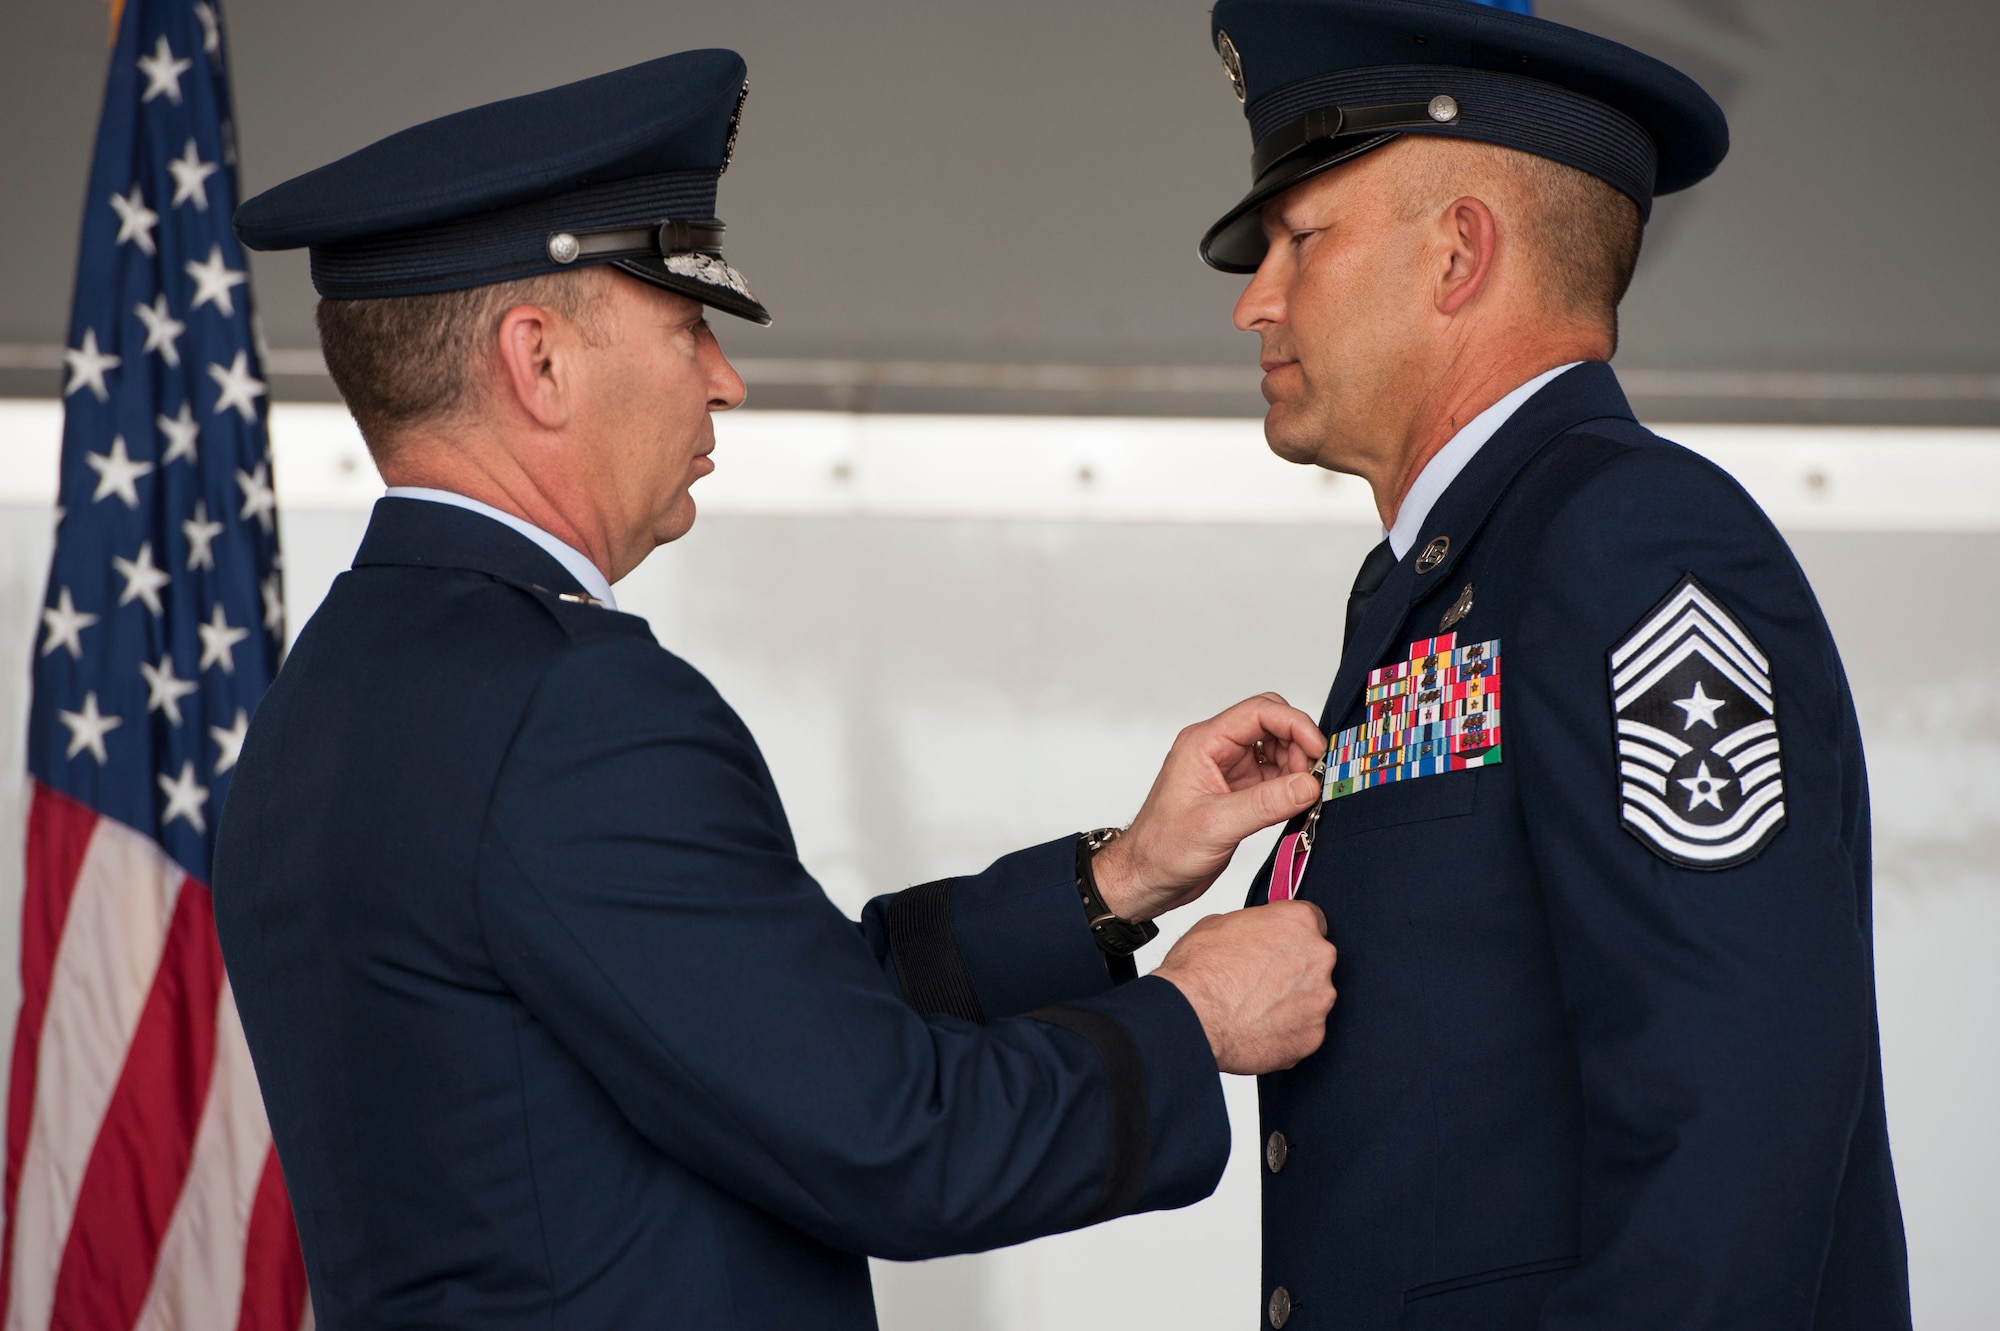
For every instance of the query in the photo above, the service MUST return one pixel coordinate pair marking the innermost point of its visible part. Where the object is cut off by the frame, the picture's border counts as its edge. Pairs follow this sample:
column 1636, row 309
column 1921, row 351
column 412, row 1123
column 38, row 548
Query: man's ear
column 1471, row 239
column 534, row 356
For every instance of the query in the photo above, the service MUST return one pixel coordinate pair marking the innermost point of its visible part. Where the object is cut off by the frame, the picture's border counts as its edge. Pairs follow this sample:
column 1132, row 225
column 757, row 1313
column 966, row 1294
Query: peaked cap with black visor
column 619, row 169
column 1324, row 81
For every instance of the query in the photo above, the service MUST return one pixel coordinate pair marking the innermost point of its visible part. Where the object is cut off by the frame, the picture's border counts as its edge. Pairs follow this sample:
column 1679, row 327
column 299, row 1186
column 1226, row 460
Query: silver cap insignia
column 1232, row 64
column 735, row 123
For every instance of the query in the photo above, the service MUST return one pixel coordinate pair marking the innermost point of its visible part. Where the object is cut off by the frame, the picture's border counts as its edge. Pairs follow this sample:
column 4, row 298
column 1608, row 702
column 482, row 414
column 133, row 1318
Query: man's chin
column 681, row 523
column 677, row 521
column 1287, row 434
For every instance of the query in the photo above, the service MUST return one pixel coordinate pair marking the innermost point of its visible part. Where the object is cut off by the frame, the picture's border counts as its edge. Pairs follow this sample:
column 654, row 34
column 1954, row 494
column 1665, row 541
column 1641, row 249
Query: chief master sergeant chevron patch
column 1700, row 778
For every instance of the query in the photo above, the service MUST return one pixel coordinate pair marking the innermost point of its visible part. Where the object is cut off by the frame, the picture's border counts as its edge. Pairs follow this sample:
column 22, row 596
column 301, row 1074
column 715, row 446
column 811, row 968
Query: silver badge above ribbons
column 1701, row 780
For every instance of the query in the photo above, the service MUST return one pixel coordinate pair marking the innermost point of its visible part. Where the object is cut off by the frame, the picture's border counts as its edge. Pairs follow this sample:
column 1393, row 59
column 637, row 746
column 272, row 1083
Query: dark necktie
column 1374, row 572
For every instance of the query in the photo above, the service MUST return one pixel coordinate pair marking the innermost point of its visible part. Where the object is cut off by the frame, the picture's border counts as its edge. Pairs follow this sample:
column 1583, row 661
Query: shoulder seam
column 556, row 662
column 1616, row 450
column 576, row 647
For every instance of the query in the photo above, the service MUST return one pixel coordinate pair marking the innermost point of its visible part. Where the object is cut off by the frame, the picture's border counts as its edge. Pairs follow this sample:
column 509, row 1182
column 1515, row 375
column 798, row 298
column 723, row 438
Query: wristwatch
column 1115, row 937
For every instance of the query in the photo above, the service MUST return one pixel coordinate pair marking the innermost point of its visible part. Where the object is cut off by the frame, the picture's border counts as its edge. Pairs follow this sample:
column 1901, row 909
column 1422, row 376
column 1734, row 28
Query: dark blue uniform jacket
column 1572, row 1082
column 555, row 1031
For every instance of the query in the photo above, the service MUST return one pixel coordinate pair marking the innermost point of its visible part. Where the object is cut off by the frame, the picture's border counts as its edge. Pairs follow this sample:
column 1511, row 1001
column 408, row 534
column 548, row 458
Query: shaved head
column 1582, row 234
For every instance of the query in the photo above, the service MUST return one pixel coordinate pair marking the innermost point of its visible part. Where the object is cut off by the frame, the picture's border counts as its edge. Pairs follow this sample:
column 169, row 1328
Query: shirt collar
column 587, row 574
column 1447, row 462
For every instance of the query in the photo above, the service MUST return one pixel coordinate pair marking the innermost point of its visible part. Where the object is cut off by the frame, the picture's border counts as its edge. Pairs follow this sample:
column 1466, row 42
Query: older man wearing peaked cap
column 553, row 1028
column 1595, row 837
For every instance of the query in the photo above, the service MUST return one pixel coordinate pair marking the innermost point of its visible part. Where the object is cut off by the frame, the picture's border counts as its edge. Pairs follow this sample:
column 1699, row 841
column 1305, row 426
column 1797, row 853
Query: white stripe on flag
column 198, row 1281
column 104, row 967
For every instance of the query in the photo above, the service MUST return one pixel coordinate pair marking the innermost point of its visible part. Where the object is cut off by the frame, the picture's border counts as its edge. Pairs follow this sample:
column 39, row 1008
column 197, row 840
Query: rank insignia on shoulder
column 1436, row 711
column 1700, row 777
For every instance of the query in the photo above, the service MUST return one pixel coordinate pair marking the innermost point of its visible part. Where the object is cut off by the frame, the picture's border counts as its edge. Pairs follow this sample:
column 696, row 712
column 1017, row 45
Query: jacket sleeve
column 993, row 944
column 640, row 894
column 1723, row 1019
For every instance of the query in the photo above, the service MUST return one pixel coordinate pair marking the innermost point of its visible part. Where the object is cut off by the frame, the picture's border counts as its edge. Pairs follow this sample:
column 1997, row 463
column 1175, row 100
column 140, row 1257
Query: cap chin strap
column 673, row 236
column 1325, row 123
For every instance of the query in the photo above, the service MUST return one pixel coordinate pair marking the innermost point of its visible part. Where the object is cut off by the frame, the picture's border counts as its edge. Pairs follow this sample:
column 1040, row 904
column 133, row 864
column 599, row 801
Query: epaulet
column 582, row 617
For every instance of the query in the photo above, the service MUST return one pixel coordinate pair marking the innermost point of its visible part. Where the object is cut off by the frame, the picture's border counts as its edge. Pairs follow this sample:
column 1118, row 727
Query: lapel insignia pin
column 1232, row 64
column 1459, row 609
column 1433, row 554
column 1700, row 775
column 578, row 598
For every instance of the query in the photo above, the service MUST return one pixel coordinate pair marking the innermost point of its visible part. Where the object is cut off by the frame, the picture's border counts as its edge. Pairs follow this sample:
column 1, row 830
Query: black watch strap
column 1115, row 937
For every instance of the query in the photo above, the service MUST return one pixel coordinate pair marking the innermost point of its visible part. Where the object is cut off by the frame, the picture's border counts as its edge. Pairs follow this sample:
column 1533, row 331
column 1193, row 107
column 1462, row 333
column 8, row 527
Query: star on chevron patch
column 1701, row 780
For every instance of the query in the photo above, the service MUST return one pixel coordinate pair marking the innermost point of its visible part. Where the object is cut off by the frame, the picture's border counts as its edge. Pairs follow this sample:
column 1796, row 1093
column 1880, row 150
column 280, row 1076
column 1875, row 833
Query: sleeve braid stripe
column 1125, row 1089
column 933, row 971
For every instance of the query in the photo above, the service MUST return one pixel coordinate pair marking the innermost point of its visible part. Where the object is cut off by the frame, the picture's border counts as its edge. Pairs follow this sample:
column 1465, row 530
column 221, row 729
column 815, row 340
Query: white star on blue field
column 164, row 617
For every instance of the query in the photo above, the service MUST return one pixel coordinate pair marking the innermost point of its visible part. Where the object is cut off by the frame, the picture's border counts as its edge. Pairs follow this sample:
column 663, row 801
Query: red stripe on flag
column 59, row 832
column 141, row 1157
column 274, row 1285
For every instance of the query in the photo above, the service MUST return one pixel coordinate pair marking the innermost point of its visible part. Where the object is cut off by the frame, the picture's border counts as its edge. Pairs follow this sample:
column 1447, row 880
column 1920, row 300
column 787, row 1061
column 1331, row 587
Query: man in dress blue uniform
column 1595, row 847
column 553, row 1028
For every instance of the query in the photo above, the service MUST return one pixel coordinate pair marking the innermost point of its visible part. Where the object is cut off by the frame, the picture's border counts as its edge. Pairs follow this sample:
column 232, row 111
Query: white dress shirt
column 1447, row 462
column 587, row 574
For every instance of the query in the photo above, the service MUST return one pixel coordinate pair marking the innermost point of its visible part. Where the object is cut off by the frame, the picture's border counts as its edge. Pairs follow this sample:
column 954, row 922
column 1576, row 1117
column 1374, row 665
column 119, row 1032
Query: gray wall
column 1021, row 183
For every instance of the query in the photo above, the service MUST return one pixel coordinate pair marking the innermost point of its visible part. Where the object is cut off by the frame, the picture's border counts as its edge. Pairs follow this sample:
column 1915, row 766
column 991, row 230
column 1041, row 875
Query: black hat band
column 1510, row 110
column 676, row 235
column 1326, row 123
column 510, row 243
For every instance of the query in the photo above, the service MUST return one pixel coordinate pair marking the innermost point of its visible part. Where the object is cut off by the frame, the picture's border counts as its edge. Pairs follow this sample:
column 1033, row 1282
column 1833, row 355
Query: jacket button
column 1281, row 1306
column 1276, row 1150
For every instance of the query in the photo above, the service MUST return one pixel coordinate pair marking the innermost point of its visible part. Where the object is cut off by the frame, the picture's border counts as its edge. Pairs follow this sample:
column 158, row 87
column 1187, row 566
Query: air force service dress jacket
column 1606, row 1051
column 555, row 1031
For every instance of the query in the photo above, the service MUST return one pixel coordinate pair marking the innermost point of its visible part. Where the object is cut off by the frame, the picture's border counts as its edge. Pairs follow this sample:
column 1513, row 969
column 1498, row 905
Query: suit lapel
column 1588, row 392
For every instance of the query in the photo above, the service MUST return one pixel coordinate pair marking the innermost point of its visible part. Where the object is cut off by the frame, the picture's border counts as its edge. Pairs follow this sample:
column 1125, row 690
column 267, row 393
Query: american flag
column 141, row 1186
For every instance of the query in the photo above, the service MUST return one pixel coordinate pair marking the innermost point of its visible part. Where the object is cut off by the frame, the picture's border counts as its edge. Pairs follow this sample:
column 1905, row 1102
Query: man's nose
column 726, row 389
column 1262, row 302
